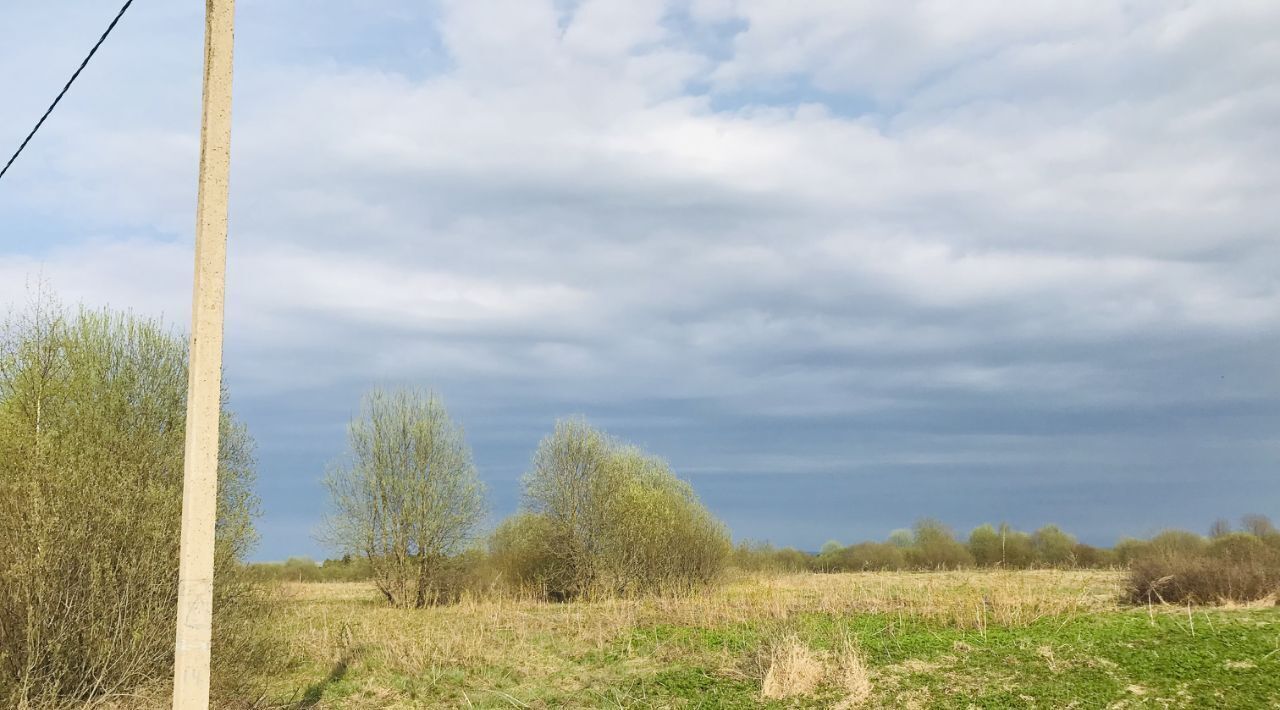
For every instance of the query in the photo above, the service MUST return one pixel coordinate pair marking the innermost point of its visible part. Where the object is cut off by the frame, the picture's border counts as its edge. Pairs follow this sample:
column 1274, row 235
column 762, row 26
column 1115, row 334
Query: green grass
column 550, row 656
column 1219, row 659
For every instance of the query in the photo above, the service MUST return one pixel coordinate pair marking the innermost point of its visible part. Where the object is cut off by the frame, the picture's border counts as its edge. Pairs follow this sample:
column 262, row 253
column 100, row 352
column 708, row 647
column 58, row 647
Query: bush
column 657, row 535
column 524, row 551
column 305, row 569
column 92, row 414
column 764, row 557
column 872, row 557
column 934, row 546
column 1236, row 567
column 605, row 518
column 986, row 546
column 1053, row 546
column 1177, row 542
column 1002, row 547
column 1128, row 549
column 1093, row 557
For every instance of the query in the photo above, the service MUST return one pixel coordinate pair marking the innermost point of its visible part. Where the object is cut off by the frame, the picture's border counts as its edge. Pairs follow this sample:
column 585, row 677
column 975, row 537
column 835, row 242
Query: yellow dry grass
column 345, row 627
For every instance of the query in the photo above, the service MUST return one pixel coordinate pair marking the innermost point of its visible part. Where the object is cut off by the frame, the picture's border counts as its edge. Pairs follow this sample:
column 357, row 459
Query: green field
column 1038, row 639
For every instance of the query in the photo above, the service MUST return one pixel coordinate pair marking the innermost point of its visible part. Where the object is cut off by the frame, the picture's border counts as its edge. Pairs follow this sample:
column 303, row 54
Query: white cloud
column 821, row 209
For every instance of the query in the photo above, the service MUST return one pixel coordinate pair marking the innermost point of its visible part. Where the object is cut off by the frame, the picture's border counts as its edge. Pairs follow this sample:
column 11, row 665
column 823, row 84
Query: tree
column 984, row 545
column 828, row 556
column 1220, row 528
column 935, row 547
column 407, row 496
column 92, row 419
column 1177, row 542
column 1258, row 525
column 871, row 556
column 569, row 482
column 1053, row 546
column 901, row 538
column 611, row 519
column 1016, row 548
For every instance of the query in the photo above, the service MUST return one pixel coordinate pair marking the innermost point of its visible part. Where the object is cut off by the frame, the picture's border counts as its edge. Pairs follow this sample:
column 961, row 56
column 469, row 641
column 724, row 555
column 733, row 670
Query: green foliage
column 92, row 414
column 1088, row 556
column 764, row 557
column 657, row 534
column 305, row 569
column 1019, row 549
column 1177, row 542
column 985, row 546
column 408, row 496
column 605, row 518
column 1128, row 549
column 526, row 548
column 902, row 538
column 872, row 557
column 934, row 546
column 1053, row 547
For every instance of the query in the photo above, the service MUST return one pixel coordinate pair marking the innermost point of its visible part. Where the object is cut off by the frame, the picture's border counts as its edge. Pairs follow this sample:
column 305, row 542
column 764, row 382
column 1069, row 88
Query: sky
column 843, row 264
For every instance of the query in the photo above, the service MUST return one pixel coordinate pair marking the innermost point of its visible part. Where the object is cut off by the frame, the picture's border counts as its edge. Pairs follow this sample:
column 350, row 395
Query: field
column 1036, row 639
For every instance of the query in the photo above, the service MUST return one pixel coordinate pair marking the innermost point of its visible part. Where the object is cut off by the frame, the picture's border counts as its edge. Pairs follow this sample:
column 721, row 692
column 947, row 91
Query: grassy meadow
column 1025, row 639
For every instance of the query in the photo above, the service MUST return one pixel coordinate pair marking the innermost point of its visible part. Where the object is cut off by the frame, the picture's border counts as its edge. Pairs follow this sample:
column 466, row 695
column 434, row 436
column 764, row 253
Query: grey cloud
column 1042, row 264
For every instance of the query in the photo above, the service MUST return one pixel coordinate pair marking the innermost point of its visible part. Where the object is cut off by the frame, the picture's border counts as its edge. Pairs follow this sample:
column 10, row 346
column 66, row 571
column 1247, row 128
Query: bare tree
column 407, row 496
column 1259, row 525
column 1220, row 528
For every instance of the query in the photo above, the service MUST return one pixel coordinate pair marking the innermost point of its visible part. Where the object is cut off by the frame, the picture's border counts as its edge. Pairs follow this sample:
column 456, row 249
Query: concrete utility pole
column 204, row 384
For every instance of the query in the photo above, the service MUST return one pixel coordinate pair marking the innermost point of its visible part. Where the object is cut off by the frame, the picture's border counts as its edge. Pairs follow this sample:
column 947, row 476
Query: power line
column 62, row 93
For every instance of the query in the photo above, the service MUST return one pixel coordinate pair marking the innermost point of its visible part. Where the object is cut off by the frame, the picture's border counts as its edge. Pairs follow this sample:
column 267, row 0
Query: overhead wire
column 67, row 86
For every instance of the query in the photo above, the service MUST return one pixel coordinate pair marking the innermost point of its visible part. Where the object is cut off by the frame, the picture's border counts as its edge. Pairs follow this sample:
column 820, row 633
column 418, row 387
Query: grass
column 949, row 639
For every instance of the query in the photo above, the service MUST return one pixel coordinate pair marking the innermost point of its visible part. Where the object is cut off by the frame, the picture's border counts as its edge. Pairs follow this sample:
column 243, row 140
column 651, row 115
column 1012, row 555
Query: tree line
column 931, row 545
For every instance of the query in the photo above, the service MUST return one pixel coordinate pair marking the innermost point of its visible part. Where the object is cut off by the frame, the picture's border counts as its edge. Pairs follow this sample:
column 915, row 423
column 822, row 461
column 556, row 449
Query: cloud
column 885, row 242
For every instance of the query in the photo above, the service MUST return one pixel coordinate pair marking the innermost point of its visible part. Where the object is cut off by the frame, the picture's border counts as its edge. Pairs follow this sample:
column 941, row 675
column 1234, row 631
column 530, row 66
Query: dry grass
column 345, row 627
column 794, row 669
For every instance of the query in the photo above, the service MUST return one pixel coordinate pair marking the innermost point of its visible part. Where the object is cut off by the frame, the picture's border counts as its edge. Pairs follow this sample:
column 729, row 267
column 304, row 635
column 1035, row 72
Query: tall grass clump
column 603, row 518
column 1183, row 568
column 92, row 411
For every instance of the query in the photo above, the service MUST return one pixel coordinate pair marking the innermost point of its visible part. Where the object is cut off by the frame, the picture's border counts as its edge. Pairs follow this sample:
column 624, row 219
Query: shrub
column 901, row 538
column 1129, row 549
column 613, row 520
column 1019, row 550
column 934, row 546
column 524, row 551
column 657, row 534
column 872, row 557
column 92, row 415
column 986, row 546
column 1234, row 567
column 1177, row 542
column 1053, row 546
column 764, row 557
column 305, row 569
column 1094, row 557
